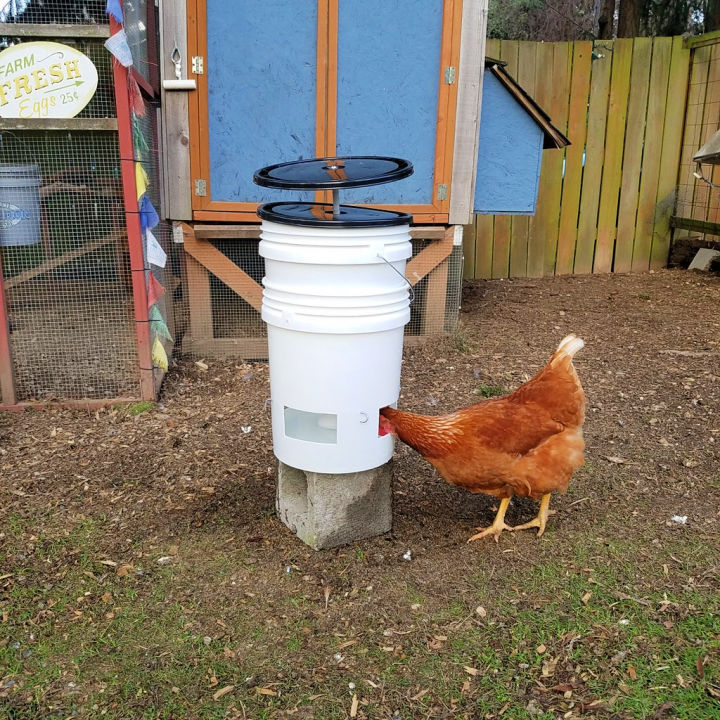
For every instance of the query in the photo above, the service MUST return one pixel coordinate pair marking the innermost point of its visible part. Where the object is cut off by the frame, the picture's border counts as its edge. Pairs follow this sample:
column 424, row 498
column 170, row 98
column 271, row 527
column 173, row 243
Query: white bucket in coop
column 335, row 301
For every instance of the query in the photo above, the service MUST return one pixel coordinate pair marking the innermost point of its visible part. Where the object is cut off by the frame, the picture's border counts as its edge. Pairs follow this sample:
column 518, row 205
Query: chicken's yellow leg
column 498, row 525
column 541, row 519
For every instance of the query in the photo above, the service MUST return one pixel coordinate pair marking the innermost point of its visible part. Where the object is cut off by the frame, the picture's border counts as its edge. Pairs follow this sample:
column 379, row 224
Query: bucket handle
column 395, row 270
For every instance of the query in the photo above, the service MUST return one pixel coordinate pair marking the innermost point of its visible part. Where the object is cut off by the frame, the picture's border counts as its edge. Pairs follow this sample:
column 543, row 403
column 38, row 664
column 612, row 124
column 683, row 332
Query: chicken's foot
column 498, row 524
column 542, row 516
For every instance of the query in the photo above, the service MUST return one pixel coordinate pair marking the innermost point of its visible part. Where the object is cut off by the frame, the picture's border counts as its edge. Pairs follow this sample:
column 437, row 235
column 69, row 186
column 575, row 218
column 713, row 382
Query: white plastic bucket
column 19, row 205
column 335, row 301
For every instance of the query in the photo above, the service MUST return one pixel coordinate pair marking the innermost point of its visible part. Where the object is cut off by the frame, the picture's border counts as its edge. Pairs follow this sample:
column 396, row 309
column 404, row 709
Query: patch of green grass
column 488, row 391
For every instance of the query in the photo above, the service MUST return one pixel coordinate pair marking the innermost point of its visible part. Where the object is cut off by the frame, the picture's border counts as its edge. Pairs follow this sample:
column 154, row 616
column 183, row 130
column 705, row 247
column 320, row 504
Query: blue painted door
column 387, row 103
column 261, row 93
column 287, row 79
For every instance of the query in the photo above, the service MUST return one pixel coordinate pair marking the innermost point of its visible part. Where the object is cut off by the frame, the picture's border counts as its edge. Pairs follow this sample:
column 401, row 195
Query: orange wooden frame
column 206, row 209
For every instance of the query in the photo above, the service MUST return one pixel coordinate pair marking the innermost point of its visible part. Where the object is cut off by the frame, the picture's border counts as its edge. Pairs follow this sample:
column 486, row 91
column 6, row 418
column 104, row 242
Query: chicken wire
column 697, row 199
column 69, row 293
column 60, row 12
column 216, row 322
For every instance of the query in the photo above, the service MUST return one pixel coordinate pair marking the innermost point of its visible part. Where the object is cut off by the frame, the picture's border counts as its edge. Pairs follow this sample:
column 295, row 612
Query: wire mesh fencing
column 219, row 315
column 61, row 12
column 65, row 266
column 698, row 192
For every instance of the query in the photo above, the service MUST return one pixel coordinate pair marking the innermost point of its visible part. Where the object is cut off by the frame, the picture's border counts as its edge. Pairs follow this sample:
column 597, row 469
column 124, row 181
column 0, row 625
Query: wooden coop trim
column 175, row 127
column 69, row 124
column 469, row 100
column 134, row 231
column 84, row 404
column 54, row 30
column 201, row 258
column 7, row 379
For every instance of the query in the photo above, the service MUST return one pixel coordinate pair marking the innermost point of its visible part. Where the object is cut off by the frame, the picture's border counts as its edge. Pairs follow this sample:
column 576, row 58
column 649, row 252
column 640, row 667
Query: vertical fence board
column 612, row 172
column 592, row 173
column 483, row 246
column 654, row 128
column 574, row 156
column 469, row 243
column 519, row 239
column 551, row 69
column 670, row 155
column 632, row 157
column 502, row 233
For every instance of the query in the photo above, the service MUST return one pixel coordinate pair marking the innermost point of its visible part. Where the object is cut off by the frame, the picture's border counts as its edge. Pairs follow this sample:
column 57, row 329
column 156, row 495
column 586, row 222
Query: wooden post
column 132, row 220
column 175, row 106
column 7, row 381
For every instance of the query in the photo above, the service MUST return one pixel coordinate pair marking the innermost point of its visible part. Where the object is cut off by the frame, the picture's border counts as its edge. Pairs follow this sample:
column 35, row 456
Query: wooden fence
column 605, row 202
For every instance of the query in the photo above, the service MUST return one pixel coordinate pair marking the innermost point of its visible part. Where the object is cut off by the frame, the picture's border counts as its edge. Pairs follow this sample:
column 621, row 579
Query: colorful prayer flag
column 158, row 323
column 159, row 356
column 141, row 180
column 114, row 9
column 148, row 215
column 117, row 44
column 155, row 290
column 153, row 250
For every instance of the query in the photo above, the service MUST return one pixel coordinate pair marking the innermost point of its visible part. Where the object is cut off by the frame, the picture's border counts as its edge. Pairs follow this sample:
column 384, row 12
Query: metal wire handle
column 394, row 269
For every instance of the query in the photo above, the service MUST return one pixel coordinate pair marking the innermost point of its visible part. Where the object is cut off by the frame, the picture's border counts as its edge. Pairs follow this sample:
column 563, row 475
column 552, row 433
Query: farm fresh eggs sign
column 45, row 80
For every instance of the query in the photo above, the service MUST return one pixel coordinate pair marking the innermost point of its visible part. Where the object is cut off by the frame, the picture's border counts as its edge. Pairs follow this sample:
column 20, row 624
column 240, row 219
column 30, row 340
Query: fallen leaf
column 223, row 691
column 548, row 667
column 631, row 672
column 615, row 459
column 124, row 570
column 700, row 665
column 214, row 681
column 470, row 670
column 265, row 691
column 106, row 597
column 354, row 706
column 481, row 611
column 586, row 598
column 229, row 654
column 540, row 649
column 201, row 365
column 109, row 563
column 465, row 687
column 419, row 695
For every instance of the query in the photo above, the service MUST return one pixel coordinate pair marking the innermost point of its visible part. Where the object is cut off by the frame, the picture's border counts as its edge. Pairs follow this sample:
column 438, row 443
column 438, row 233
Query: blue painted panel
column 261, row 69
column 509, row 154
column 388, row 75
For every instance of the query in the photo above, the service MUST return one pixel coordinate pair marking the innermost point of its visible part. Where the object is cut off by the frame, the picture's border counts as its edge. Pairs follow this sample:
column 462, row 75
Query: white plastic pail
column 335, row 301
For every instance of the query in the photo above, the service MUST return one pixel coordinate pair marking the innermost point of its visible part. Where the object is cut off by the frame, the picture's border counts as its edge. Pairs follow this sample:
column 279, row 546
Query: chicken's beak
column 385, row 427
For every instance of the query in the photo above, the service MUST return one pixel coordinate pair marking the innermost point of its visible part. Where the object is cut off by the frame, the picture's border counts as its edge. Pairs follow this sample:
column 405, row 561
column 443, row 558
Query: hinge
column 442, row 192
column 201, row 188
column 449, row 75
column 198, row 64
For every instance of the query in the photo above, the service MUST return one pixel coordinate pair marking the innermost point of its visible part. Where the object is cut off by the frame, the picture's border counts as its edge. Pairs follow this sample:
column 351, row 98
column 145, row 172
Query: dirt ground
column 193, row 481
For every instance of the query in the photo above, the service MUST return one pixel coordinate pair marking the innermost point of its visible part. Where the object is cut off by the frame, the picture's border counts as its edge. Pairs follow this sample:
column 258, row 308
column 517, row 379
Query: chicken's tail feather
column 569, row 345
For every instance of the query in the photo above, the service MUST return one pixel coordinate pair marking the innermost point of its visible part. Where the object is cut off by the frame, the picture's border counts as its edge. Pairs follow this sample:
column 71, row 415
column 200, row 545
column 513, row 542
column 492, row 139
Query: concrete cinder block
column 326, row 510
column 704, row 259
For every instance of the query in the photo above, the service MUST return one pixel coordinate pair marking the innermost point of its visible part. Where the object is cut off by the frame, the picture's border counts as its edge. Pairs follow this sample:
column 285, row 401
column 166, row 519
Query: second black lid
column 334, row 173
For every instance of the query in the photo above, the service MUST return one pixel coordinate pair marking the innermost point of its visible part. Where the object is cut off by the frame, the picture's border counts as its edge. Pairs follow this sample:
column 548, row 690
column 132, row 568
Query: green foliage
column 488, row 391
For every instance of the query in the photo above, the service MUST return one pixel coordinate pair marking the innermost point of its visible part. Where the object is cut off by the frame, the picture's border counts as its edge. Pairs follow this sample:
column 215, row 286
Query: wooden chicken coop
column 248, row 84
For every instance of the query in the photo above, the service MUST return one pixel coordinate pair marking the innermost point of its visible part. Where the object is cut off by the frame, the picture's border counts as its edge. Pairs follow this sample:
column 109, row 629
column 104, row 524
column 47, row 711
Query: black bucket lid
column 334, row 173
column 321, row 215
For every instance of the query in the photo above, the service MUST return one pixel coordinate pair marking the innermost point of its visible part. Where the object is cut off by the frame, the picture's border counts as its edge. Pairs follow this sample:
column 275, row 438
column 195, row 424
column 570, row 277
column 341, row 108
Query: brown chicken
column 527, row 443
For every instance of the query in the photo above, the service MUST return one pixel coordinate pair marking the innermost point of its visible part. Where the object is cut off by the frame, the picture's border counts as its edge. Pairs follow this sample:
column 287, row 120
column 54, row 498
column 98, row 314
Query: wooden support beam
column 69, row 124
column 701, row 226
column 224, row 268
column 56, row 262
column 430, row 257
column 54, row 30
column 246, row 348
column 198, row 293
